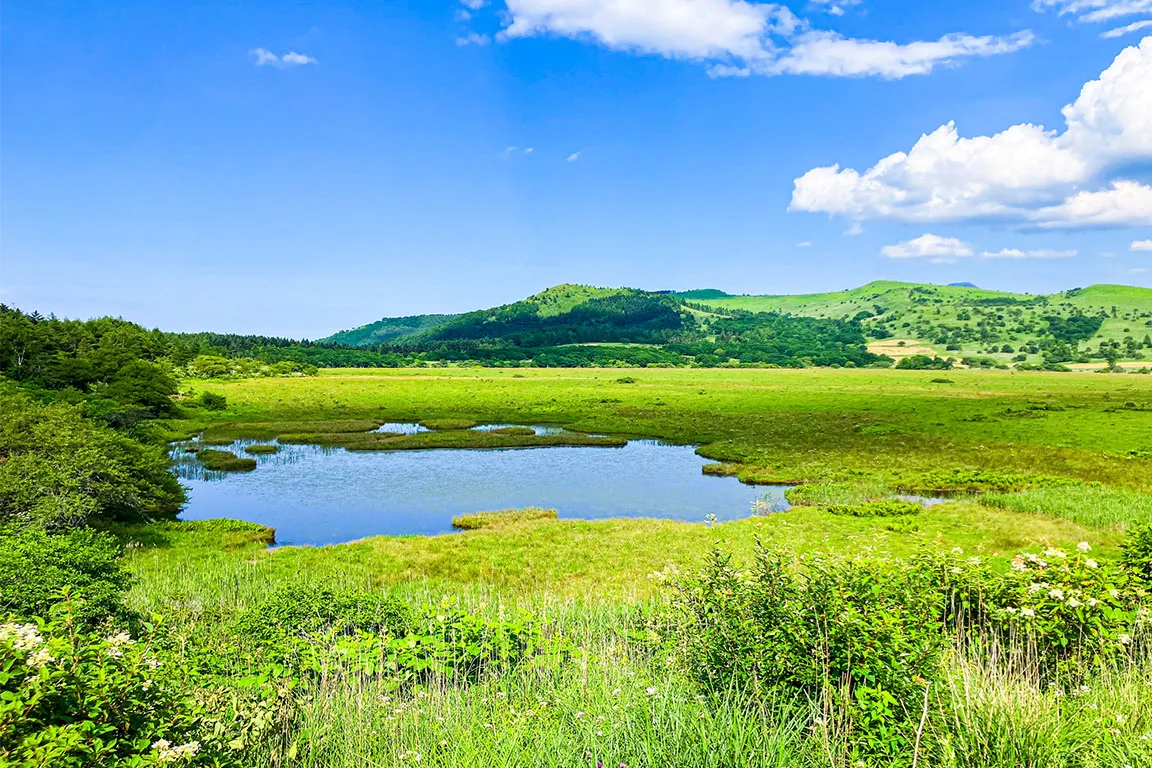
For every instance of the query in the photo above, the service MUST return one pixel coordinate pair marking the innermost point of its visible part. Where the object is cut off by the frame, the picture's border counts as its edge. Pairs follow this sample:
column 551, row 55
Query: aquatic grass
column 1089, row 505
column 224, row 461
column 828, row 494
column 502, row 518
column 443, row 424
column 513, row 431
column 475, row 439
column 262, row 449
column 270, row 429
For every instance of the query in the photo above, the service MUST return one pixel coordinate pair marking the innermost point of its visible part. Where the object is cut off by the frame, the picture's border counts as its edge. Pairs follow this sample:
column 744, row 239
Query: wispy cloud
column 265, row 58
column 574, row 156
column 1127, row 29
column 946, row 250
column 473, row 38
column 804, row 244
column 1141, row 245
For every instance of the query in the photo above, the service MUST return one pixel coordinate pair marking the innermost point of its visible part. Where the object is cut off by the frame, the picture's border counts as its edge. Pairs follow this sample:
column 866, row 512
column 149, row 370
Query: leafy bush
column 924, row 363
column 1137, row 552
column 299, row 612
column 882, row 508
column 59, row 469
column 74, row 699
column 35, row 566
column 212, row 401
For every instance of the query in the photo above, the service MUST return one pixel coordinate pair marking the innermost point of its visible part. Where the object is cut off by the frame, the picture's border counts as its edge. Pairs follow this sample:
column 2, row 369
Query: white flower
column 1092, row 602
column 24, row 637
column 957, row 551
column 1027, row 613
column 1091, row 563
column 1052, row 552
column 1010, row 610
column 1073, row 602
column 650, row 691
column 578, row 715
column 1018, row 564
column 121, row 638
column 973, row 561
column 1084, row 546
column 1056, row 594
column 40, row 658
column 1125, row 639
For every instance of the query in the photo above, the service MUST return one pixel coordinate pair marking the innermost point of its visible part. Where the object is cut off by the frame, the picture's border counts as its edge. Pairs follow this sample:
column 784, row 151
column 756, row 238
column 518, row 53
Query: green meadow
column 1005, row 626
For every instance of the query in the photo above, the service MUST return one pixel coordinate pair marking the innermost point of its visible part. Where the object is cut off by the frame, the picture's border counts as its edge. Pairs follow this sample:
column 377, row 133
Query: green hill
column 1085, row 327
column 965, row 321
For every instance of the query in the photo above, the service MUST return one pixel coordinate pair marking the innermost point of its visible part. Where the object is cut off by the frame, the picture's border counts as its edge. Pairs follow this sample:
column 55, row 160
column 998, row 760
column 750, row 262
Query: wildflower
column 1056, row 594
column 1036, row 587
column 1073, row 602
column 1124, row 639
column 1114, row 594
column 615, row 691
column 957, row 551
column 1010, row 611
column 650, row 691
column 955, row 570
column 1092, row 602
column 40, row 658
column 170, row 754
column 1051, row 552
column 1027, row 613
column 151, row 662
column 1018, row 564
column 578, row 715
column 973, row 561
column 24, row 637
column 1084, row 546
column 121, row 638
column 1091, row 563
column 1084, row 690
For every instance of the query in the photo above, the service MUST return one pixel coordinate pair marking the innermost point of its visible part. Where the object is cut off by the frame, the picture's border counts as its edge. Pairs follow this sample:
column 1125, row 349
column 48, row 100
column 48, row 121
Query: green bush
column 60, row 469
column 1137, row 552
column 35, row 566
column 882, row 508
column 293, row 613
column 212, row 401
column 76, row 699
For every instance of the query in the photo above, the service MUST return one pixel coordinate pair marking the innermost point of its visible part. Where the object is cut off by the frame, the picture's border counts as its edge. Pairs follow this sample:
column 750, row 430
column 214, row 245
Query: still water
column 315, row 495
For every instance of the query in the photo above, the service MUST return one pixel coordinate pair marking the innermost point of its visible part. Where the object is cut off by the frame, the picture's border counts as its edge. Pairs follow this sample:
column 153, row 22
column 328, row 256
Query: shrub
column 299, row 612
column 35, row 566
column 440, row 424
column 212, row 401
column 882, row 508
column 59, row 469
column 1137, row 552
column 849, row 633
column 73, row 699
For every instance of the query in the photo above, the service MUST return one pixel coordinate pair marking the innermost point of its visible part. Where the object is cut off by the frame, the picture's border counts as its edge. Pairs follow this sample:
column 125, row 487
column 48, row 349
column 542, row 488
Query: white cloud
column 473, row 38
column 1016, row 253
column 856, row 229
column 827, row 53
column 574, row 156
column 928, row 245
column 265, row 58
column 740, row 38
column 1094, row 10
column 529, row 150
column 804, row 244
column 946, row 250
column 1140, row 245
column 1127, row 29
column 1025, row 174
column 475, row 5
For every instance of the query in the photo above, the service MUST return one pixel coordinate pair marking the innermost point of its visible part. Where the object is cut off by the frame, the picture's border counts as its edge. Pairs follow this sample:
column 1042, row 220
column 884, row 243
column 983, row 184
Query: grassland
column 1059, row 458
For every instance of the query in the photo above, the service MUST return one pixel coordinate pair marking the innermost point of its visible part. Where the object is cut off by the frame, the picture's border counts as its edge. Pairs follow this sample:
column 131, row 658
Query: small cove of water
column 315, row 495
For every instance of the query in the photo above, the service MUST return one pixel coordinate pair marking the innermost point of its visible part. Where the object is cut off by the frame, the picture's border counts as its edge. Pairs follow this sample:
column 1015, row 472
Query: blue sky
column 297, row 168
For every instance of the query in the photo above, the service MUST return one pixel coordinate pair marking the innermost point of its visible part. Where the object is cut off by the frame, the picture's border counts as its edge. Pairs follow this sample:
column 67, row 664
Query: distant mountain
column 387, row 329
column 1082, row 325
column 963, row 285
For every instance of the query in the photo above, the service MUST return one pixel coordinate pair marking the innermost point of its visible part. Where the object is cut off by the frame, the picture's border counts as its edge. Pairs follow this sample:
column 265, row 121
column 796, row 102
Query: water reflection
column 316, row 495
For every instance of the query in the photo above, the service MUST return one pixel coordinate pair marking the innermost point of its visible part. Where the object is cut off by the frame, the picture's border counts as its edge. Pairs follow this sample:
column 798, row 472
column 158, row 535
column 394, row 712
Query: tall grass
column 1090, row 505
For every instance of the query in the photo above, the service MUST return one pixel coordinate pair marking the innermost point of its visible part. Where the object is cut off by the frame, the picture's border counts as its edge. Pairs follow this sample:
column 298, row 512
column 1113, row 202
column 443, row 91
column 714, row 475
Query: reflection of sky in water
column 314, row 495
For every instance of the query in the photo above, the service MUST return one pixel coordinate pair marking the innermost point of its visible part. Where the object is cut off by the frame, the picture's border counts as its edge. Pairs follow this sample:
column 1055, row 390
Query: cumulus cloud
column 265, row 58
column 1025, row 174
column 574, row 156
column 946, row 250
column 739, row 38
column 1141, row 245
column 929, row 245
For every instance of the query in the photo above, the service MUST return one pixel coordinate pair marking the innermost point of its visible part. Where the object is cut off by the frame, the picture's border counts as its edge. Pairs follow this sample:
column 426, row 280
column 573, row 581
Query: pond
column 316, row 495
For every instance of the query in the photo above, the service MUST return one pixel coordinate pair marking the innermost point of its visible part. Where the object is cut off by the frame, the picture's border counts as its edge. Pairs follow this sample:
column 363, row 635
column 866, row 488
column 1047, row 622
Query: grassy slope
column 897, row 299
column 387, row 329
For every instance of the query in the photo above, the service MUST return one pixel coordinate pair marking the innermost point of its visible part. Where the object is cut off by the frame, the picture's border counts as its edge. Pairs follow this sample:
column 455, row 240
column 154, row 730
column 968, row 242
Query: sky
column 296, row 168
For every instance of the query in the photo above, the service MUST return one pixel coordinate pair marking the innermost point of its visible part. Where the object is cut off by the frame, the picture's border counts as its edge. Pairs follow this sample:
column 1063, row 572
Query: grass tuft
column 503, row 518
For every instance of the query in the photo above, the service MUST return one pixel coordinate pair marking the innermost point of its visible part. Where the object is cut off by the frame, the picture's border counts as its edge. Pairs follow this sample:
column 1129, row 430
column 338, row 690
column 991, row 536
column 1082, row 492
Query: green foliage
column 70, row 698
column 58, row 468
column 224, row 461
column 1137, row 549
column 37, row 566
column 212, row 401
column 261, row 449
column 882, row 508
column 514, row 431
column 502, row 518
column 983, row 480
column 924, row 363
